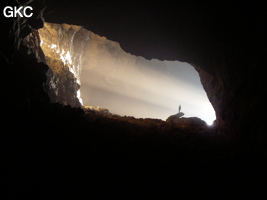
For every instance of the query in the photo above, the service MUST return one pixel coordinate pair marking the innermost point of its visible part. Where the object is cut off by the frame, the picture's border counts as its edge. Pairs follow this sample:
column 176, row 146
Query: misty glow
column 133, row 86
column 123, row 83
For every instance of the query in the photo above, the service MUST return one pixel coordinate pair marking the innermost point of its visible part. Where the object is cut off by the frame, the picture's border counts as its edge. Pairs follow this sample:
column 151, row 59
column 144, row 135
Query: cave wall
column 225, row 43
column 23, row 77
column 30, row 84
column 63, row 46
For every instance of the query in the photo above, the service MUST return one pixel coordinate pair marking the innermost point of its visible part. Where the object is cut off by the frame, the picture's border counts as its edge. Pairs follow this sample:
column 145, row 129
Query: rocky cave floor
column 71, row 152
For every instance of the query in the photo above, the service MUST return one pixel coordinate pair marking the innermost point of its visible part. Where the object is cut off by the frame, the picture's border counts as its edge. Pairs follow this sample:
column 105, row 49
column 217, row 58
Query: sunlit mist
column 133, row 86
column 123, row 83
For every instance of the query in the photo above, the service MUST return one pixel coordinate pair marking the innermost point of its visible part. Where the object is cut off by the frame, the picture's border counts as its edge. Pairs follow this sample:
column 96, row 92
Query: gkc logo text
column 22, row 11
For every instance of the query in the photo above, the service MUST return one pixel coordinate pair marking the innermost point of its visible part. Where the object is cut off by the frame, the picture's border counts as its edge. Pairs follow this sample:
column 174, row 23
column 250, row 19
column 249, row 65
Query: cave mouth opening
column 124, row 84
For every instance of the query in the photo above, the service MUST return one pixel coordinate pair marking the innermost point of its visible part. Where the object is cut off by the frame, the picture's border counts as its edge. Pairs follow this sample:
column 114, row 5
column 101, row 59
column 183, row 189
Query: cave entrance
column 123, row 83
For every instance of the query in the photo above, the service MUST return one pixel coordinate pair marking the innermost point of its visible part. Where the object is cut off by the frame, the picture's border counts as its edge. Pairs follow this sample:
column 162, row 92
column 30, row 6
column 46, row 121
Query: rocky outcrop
column 190, row 121
column 61, row 83
column 178, row 120
column 63, row 46
column 176, row 116
column 63, row 87
column 97, row 110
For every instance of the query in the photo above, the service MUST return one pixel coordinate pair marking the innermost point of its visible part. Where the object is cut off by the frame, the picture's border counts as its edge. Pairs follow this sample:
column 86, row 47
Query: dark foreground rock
column 178, row 120
column 190, row 121
column 72, row 154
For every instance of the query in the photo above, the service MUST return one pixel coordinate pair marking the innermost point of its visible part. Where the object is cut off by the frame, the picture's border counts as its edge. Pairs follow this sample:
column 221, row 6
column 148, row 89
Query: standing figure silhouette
column 179, row 109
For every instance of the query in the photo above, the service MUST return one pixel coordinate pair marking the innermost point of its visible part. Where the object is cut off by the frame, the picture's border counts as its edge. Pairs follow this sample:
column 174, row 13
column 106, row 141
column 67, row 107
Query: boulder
column 185, row 121
column 176, row 116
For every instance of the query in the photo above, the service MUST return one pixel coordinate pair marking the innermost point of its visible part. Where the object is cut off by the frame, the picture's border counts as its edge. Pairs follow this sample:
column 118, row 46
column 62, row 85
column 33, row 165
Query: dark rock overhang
column 225, row 42
column 161, row 29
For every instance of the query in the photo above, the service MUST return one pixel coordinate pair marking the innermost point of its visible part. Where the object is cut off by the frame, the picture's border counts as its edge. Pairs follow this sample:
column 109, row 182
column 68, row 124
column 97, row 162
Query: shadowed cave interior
column 53, row 147
column 120, row 82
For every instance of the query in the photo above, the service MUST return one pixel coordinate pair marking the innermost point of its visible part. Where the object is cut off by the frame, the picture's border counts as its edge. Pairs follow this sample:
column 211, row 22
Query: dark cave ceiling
column 160, row 29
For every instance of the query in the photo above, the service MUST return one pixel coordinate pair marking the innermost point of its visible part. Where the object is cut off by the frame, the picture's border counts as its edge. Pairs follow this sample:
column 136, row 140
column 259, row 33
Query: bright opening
column 126, row 84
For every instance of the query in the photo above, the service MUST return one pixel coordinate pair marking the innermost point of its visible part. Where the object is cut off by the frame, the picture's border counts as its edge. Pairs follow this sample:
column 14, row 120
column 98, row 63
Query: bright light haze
column 133, row 86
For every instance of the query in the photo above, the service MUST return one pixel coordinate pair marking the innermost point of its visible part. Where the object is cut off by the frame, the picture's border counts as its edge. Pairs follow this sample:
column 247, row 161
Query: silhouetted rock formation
column 176, row 116
column 186, row 121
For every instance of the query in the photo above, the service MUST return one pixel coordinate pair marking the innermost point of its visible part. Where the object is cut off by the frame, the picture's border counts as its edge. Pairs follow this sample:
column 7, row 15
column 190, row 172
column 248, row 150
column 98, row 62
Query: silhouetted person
column 179, row 108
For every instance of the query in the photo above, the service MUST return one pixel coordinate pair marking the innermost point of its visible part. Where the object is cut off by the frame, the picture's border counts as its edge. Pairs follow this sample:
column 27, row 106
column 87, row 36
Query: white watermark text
column 20, row 11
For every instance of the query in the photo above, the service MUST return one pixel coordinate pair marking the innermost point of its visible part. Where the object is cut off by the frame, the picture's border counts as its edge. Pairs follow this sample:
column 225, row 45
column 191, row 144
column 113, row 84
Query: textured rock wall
column 63, row 46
